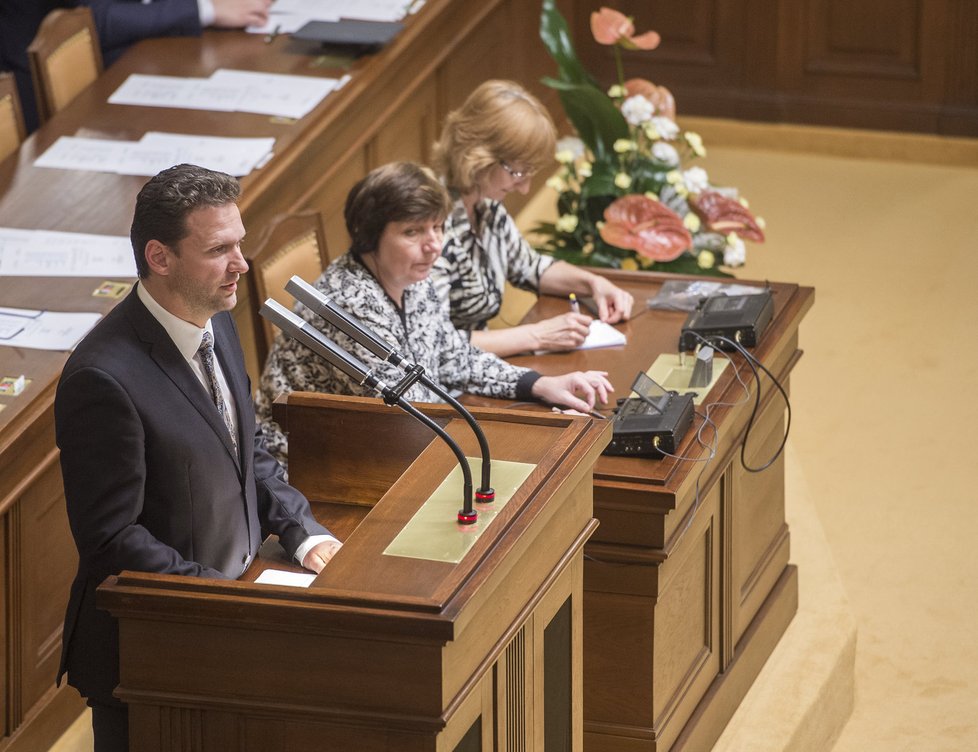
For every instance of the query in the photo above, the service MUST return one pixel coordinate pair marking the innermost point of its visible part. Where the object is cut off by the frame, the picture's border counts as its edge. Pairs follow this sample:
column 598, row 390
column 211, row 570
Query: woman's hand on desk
column 614, row 304
column 319, row 555
column 563, row 332
column 579, row 390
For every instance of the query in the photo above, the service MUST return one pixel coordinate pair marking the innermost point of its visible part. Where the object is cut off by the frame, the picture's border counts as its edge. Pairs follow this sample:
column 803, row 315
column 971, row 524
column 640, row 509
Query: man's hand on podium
column 319, row 555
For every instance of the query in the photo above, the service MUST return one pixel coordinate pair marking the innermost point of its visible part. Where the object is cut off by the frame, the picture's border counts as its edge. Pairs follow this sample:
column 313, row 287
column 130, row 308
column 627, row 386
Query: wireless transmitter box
column 739, row 318
column 635, row 432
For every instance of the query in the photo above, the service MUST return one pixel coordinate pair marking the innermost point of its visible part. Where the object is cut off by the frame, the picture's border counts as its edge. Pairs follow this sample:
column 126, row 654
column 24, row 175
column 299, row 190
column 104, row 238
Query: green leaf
column 595, row 117
column 557, row 39
column 601, row 182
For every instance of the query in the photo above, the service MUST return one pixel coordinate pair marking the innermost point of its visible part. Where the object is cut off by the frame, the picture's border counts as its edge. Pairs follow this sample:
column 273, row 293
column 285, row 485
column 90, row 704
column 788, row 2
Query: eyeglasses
column 517, row 174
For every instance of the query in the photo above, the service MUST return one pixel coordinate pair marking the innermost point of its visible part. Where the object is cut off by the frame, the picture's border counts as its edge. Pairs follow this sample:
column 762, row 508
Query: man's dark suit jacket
column 151, row 479
column 19, row 20
column 121, row 23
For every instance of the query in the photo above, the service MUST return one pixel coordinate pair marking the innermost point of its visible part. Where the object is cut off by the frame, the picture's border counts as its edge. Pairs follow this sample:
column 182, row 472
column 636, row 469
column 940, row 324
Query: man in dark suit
column 19, row 20
column 121, row 23
column 164, row 470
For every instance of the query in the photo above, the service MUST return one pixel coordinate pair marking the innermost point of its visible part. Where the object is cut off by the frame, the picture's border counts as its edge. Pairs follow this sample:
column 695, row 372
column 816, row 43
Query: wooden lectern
column 381, row 652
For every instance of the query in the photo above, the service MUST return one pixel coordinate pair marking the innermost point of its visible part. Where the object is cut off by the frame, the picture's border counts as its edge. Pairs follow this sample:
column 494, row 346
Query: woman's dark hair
column 395, row 192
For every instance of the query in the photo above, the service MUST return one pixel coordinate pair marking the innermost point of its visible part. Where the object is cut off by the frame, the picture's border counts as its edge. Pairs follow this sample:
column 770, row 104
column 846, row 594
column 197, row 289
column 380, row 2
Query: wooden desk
column 383, row 651
column 391, row 108
column 684, row 599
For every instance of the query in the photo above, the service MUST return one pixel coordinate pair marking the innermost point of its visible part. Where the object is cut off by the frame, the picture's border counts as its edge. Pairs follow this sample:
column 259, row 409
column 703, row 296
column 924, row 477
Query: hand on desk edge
column 319, row 555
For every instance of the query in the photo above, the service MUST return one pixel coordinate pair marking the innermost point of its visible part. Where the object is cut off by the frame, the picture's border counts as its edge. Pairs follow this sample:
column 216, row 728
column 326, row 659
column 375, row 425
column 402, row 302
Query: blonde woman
column 491, row 145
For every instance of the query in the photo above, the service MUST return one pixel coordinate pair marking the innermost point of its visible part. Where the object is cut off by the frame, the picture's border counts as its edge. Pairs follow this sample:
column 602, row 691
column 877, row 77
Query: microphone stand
column 318, row 343
column 324, row 306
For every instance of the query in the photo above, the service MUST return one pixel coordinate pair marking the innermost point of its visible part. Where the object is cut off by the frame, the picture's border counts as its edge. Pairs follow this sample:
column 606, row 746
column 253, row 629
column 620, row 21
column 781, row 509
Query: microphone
column 352, row 327
column 306, row 334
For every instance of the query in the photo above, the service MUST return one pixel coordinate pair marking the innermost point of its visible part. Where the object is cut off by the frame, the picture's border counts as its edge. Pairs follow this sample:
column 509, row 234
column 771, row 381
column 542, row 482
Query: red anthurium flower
column 636, row 222
column 725, row 215
column 611, row 27
column 660, row 96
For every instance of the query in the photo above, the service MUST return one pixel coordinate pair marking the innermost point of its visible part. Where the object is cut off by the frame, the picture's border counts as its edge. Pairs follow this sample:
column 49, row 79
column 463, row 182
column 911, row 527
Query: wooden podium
column 687, row 582
column 381, row 652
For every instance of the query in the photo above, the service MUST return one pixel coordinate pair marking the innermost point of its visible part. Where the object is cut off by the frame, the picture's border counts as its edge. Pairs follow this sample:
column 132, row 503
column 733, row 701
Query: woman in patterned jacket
column 490, row 146
column 394, row 217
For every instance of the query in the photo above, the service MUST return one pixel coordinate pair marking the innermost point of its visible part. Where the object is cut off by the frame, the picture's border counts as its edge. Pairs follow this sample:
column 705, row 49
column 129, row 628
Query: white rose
column 572, row 144
column 637, row 109
column 666, row 127
column 735, row 252
column 696, row 179
column 665, row 153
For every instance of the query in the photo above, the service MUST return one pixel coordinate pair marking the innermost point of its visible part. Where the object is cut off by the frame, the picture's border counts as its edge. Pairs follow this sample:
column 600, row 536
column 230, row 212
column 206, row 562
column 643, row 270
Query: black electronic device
column 739, row 318
column 654, row 420
column 349, row 33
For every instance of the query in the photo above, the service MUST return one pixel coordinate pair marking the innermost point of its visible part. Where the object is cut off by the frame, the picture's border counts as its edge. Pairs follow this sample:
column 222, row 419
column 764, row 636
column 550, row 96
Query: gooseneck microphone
column 351, row 326
column 309, row 336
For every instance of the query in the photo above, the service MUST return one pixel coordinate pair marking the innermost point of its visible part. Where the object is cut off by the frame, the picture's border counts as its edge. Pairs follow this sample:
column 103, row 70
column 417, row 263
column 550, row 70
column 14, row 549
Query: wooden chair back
column 12, row 130
column 292, row 244
column 65, row 58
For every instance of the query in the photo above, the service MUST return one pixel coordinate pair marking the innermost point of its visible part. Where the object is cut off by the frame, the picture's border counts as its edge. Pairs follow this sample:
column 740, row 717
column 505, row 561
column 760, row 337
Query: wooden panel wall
column 907, row 65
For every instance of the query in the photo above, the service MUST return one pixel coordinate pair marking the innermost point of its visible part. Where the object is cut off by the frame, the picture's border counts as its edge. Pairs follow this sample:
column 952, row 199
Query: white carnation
column 572, row 144
column 735, row 252
column 665, row 153
column 666, row 127
column 696, row 179
column 637, row 109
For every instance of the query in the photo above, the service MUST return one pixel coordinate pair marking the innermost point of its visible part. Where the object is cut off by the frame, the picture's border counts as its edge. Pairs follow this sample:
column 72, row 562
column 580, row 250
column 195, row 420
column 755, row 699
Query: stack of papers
column 46, row 253
column 286, row 16
column 157, row 151
column 229, row 91
column 44, row 330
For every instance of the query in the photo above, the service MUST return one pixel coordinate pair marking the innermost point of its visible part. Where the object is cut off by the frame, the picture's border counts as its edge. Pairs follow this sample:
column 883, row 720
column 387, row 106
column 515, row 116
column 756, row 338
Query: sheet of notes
column 44, row 330
column 229, row 91
column 48, row 253
column 286, row 16
column 157, row 151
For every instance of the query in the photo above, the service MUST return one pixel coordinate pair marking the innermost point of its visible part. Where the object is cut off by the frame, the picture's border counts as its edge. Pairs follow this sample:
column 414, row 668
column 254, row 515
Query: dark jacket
column 152, row 481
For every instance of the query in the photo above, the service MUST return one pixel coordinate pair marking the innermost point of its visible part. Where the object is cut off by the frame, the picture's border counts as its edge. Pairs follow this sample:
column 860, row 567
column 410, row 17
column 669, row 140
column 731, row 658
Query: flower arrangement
column 625, row 199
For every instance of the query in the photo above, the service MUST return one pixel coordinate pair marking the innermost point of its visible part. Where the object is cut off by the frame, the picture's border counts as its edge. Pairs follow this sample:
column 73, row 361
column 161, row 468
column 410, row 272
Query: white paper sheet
column 44, row 330
column 47, row 253
column 281, row 577
column 155, row 152
column 174, row 91
column 275, row 94
column 333, row 10
column 228, row 91
column 602, row 335
column 235, row 156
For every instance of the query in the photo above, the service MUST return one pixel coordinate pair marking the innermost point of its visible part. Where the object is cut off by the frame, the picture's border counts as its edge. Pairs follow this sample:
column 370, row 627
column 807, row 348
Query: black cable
column 754, row 364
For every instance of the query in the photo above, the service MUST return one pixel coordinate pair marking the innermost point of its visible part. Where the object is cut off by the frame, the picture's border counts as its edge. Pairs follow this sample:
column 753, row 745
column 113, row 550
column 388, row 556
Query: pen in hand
column 270, row 37
column 574, row 305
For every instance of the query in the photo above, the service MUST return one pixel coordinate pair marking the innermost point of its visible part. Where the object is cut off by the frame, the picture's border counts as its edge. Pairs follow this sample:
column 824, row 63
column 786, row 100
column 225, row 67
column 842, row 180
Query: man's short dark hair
column 165, row 201
column 395, row 192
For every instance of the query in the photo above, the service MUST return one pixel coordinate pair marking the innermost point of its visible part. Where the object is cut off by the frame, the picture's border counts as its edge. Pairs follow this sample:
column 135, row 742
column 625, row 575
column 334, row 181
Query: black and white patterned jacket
column 476, row 263
column 421, row 330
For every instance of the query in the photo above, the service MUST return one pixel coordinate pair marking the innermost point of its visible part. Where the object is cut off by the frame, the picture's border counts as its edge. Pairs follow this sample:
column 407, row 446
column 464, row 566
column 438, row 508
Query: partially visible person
column 394, row 217
column 19, row 20
column 493, row 144
column 163, row 463
column 121, row 23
